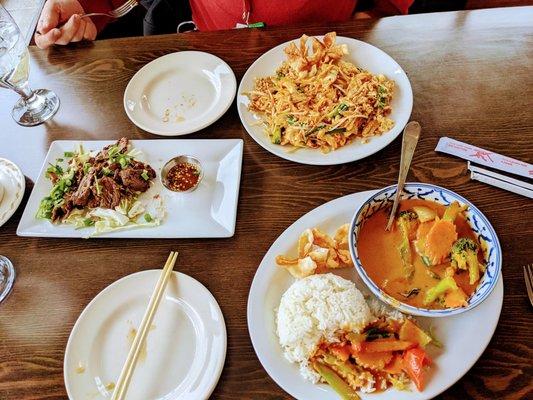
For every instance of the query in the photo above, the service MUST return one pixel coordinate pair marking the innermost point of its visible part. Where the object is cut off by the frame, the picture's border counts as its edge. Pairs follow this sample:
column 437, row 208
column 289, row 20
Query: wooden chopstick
column 129, row 366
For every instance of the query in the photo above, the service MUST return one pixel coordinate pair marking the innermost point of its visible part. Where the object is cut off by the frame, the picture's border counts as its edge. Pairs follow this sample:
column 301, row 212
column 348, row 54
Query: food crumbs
column 166, row 115
column 110, row 386
column 80, row 369
column 131, row 336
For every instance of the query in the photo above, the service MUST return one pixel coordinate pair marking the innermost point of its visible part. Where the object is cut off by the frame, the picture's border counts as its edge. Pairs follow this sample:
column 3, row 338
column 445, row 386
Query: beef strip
column 94, row 202
column 63, row 211
column 142, row 166
column 109, row 193
column 122, row 144
column 80, row 197
column 131, row 178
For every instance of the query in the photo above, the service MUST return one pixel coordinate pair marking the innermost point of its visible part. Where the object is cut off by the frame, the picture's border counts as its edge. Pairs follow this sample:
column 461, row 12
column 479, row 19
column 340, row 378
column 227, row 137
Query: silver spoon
column 411, row 134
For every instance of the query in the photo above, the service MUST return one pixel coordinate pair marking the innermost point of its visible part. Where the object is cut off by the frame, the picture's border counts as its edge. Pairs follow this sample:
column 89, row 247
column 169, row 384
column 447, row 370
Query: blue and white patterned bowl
column 492, row 252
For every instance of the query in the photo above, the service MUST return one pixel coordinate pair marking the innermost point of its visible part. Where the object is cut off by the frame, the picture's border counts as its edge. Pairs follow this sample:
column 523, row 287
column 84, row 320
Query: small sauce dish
column 182, row 174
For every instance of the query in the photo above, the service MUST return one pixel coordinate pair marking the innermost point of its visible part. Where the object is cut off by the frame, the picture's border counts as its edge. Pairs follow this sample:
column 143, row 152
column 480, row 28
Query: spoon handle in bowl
column 411, row 134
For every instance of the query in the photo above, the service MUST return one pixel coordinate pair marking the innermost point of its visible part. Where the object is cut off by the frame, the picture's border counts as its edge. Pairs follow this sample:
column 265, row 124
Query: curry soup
column 380, row 257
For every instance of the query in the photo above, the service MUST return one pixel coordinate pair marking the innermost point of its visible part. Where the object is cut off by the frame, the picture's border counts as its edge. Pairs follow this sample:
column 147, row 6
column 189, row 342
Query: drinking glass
column 7, row 277
column 35, row 106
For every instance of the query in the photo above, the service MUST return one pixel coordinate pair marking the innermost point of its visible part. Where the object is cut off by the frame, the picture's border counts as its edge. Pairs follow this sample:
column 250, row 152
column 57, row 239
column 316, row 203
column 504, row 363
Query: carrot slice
column 439, row 241
column 389, row 344
column 455, row 298
column 375, row 361
column 341, row 351
column 395, row 366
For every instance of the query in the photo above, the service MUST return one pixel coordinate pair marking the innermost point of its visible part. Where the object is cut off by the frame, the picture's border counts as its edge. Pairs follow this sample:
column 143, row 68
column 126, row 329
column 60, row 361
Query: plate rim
column 227, row 234
column 206, row 122
column 249, row 317
column 288, row 155
column 14, row 206
column 109, row 287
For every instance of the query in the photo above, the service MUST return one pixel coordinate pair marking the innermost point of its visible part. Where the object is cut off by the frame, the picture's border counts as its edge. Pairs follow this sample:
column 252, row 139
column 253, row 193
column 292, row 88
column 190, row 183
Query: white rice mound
column 314, row 309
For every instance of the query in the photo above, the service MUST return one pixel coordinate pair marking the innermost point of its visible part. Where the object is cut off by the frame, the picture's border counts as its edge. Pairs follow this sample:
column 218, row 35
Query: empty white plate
column 185, row 348
column 180, row 93
column 361, row 54
column 12, row 185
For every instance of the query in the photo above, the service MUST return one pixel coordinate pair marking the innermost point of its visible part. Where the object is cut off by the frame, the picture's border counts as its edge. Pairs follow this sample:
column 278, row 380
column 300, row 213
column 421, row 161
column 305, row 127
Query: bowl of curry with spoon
column 442, row 256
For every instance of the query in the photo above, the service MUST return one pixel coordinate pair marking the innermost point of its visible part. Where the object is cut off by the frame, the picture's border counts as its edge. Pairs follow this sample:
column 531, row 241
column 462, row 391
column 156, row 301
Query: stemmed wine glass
column 35, row 106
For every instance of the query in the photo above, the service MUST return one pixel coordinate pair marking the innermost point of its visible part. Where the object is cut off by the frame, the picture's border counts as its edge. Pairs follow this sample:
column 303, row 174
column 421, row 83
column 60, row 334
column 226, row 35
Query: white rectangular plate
column 209, row 211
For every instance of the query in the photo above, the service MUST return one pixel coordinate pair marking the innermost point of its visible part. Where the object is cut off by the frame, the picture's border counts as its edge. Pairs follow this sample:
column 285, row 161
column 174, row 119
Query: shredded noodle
column 319, row 100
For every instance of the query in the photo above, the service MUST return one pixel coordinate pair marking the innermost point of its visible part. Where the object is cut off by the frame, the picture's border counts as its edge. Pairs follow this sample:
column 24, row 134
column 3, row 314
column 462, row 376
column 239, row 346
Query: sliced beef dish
column 102, row 180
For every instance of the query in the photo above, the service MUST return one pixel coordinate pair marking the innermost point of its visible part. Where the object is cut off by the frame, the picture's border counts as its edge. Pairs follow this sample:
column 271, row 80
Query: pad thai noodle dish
column 318, row 99
column 101, row 190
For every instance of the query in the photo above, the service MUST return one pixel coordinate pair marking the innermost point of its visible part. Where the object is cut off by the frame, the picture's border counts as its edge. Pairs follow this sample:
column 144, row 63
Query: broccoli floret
column 407, row 222
column 408, row 215
column 464, row 256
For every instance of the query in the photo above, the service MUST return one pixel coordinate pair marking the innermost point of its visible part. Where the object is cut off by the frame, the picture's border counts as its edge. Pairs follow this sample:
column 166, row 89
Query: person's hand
column 60, row 23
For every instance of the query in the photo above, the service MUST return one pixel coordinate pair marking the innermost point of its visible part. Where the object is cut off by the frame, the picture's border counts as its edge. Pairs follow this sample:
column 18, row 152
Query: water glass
column 34, row 106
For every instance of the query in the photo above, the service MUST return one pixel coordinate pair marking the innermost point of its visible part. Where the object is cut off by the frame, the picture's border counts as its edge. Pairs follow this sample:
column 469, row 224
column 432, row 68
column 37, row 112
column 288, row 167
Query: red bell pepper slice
column 414, row 361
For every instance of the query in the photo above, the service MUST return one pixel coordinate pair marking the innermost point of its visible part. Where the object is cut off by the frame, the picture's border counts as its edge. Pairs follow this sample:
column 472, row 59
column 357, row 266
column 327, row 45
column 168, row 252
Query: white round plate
column 12, row 185
column 361, row 54
column 195, row 88
column 185, row 348
column 464, row 336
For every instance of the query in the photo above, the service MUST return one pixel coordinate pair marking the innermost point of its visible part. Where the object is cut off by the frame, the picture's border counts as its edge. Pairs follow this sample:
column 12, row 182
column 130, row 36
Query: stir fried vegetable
column 414, row 361
column 464, row 256
column 452, row 211
column 446, row 286
column 439, row 240
column 336, row 382
column 407, row 222
column 424, row 214
column 383, row 353
column 413, row 333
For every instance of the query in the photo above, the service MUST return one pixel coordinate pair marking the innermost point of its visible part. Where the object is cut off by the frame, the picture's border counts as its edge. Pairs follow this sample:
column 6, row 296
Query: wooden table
column 471, row 76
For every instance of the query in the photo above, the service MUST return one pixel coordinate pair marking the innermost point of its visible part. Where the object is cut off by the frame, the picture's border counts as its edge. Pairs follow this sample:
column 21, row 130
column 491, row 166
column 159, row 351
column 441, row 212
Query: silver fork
column 117, row 12
column 528, row 276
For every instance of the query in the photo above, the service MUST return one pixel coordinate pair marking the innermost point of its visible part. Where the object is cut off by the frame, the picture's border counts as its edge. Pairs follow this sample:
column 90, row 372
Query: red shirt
column 225, row 14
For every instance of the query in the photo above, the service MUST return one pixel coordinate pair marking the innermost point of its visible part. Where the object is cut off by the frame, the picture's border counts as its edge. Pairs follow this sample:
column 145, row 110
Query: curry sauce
column 380, row 257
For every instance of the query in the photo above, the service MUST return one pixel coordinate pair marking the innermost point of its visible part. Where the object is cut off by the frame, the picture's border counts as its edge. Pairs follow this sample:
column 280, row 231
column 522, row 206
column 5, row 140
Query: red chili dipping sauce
column 183, row 176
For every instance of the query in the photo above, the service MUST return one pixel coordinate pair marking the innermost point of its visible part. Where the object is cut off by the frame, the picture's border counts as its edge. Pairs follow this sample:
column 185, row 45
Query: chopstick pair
column 131, row 361
column 478, row 155
column 501, row 181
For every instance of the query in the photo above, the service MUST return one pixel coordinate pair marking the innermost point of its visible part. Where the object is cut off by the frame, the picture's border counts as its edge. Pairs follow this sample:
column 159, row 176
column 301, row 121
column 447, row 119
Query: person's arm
column 60, row 21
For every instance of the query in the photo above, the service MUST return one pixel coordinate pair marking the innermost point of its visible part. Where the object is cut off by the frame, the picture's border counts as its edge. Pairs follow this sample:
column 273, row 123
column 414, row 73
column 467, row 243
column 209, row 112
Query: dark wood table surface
column 471, row 74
